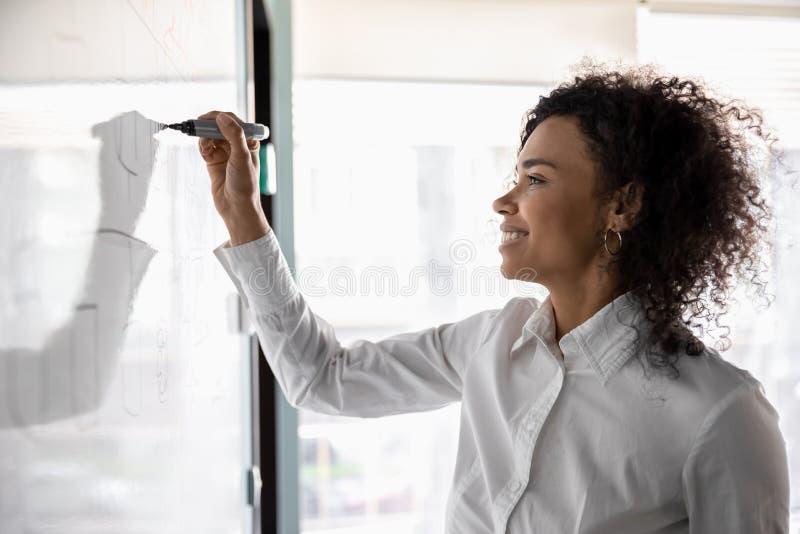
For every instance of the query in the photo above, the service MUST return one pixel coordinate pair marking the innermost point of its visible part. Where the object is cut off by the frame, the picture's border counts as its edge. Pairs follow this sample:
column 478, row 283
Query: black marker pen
column 208, row 128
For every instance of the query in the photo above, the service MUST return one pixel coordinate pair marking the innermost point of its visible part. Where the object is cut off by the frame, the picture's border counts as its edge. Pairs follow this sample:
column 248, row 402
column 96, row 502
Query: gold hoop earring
column 605, row 243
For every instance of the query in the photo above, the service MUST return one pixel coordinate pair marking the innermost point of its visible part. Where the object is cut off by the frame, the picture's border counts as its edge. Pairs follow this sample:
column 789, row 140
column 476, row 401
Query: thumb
column 234, row 134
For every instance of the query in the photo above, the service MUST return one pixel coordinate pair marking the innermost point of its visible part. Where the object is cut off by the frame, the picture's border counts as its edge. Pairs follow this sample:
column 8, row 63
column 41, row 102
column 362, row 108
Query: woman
column 595, row 410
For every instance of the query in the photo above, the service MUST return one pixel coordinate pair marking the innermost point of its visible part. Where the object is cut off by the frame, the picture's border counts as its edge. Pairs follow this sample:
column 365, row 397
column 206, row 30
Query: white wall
column 514, row 41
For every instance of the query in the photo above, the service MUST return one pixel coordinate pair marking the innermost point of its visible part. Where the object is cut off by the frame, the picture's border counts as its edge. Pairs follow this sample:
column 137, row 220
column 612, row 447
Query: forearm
column 407, row 372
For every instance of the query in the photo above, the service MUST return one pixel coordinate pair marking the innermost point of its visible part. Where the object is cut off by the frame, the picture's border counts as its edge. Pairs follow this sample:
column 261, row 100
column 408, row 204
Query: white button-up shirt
column 574, row 436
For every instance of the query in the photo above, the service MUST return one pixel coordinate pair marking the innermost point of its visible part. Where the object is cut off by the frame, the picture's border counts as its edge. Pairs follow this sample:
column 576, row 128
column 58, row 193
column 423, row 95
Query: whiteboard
column 121, row 363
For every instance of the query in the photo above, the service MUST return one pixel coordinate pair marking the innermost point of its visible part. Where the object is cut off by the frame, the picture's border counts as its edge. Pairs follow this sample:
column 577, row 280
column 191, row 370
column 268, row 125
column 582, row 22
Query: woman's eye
column 531, row 178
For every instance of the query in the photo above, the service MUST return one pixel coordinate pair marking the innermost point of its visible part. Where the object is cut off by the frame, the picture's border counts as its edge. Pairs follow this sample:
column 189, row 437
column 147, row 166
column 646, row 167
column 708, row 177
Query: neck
column 575, row 303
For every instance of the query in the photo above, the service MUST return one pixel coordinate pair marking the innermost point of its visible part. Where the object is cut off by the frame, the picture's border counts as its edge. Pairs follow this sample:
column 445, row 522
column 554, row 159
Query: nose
column 504, row 204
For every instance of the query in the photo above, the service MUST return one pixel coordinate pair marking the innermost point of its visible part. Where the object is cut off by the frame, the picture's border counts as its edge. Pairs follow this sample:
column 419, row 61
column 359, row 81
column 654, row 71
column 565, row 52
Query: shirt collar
column 605, row 340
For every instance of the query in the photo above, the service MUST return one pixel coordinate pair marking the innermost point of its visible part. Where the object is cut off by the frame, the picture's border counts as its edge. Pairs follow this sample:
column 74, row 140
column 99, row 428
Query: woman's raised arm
column 407, row 372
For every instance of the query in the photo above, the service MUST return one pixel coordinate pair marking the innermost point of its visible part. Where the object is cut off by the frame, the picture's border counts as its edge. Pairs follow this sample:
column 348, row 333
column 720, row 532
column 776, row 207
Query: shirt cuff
column 260, row 273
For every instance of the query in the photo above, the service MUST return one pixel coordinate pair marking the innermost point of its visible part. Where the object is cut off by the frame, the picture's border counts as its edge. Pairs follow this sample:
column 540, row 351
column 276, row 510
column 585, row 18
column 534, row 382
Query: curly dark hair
column 703, row 219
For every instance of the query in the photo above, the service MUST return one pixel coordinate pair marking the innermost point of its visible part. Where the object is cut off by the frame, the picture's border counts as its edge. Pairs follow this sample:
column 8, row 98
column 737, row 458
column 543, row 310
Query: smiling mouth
column 508, row 237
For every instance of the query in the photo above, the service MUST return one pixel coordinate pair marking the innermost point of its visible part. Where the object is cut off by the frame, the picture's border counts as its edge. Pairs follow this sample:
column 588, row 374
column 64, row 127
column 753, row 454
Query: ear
column 625, row 207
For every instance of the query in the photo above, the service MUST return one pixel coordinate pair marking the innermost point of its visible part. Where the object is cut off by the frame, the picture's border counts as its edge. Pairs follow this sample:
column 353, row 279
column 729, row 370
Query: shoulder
column 522, row 306
column 736, row 470
column 724, row 401
column 738, row 443
column 514, row 313
column 508, row 318
column 707, row 387
column 710, row 379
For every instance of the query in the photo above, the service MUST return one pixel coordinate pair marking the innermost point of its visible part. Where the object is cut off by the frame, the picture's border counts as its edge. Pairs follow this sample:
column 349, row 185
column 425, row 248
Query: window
column 397, row 178
column 394, row 183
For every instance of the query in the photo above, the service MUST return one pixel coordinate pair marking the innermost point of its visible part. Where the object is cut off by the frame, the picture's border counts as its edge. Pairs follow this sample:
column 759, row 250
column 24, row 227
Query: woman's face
column 552, row 203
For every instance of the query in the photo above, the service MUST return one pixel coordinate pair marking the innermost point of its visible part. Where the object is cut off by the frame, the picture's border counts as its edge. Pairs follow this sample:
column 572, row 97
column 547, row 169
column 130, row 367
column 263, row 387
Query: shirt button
column 515, row 485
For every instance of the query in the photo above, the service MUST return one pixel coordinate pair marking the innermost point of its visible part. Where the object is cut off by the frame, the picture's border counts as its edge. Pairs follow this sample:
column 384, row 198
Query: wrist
column 247, row 227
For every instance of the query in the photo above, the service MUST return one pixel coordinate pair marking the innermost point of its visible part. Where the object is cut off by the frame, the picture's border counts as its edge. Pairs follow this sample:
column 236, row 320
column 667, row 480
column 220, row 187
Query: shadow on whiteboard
column 55, row 370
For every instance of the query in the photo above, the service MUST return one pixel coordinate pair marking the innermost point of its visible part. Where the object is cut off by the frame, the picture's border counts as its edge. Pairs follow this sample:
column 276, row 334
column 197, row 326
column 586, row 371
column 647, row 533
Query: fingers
column 207, row 148
column 254, row 146
column 213, row 115
column 206, row 145
column 230, row 128
column 209, row 115
column 215, row 150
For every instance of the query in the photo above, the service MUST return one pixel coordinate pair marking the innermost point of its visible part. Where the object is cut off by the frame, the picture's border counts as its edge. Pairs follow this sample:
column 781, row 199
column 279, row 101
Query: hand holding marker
column 232, row 162
column 209, row 129
column 233, row 171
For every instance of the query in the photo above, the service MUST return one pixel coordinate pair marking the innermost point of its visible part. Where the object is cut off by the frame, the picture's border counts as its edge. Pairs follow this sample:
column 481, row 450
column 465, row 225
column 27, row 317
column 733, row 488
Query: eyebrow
column 537, row 161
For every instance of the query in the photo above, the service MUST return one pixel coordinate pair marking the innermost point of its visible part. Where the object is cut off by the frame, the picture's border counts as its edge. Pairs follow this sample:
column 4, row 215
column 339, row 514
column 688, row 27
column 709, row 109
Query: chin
column 523, row 273
column 509, row 273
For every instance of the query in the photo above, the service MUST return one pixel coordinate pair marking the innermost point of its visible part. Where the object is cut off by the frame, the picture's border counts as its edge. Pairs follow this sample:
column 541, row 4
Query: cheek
column 559, row 223
column 548, row 218
column 539, row 211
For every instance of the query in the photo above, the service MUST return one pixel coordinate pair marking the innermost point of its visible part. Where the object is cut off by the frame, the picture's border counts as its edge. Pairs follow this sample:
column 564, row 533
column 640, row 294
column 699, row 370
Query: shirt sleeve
column 407, row 372
column 736, row 477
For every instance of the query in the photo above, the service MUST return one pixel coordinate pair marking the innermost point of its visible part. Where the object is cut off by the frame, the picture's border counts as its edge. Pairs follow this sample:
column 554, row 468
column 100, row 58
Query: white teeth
column 509, row 236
